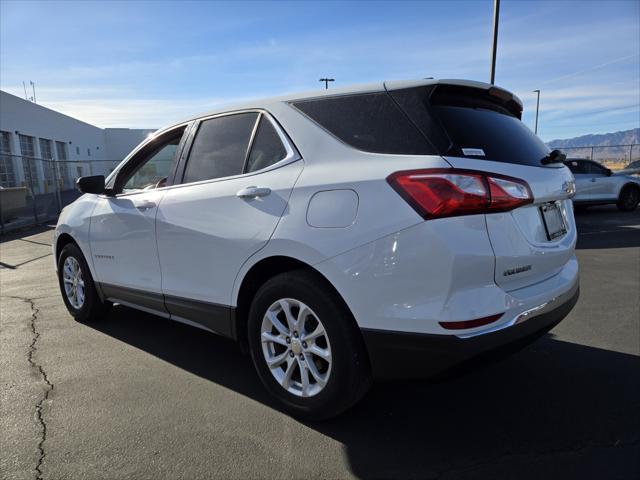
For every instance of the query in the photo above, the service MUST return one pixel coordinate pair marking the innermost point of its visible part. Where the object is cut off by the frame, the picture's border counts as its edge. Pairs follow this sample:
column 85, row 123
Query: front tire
column 305, row 346
column 77, row 287
column 628, row 200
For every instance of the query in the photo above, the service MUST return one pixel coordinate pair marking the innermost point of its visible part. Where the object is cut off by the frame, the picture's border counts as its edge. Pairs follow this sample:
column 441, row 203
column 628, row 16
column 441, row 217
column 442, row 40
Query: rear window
column 468, row 122
column 489, row 135
column 370, row 122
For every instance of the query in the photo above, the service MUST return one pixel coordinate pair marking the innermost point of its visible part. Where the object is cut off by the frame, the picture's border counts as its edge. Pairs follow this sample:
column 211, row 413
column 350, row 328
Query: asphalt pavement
column 141, row 397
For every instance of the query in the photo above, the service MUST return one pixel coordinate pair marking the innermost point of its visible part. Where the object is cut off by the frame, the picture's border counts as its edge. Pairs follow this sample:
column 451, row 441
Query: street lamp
column 537, row 109
column 326, row 82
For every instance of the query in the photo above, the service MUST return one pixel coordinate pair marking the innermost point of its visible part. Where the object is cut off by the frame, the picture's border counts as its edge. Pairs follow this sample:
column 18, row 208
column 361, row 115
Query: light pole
column 537, row 109
column 326, row 82
column 496, row 16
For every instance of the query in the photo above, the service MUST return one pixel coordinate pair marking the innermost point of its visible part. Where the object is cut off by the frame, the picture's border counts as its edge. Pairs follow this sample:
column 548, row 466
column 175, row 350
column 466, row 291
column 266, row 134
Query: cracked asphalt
column 137, row 396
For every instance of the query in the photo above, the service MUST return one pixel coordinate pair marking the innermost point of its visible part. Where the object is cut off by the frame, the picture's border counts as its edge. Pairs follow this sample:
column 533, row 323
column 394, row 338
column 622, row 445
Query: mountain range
column 608, row 146
column 626, row 137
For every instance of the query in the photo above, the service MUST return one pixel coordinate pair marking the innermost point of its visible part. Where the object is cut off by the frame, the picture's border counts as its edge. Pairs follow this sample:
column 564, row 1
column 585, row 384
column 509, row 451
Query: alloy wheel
column 296, row 347
column 73, row 282
column 630, row 199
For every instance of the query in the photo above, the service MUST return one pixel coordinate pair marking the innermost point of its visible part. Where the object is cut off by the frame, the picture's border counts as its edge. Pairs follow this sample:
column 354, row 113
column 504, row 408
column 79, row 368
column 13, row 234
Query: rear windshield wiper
column 555, row 156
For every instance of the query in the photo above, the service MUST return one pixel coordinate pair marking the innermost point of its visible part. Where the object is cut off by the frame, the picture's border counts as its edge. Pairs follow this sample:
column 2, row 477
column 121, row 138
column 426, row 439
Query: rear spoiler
column 481, row 94
column 453, row 90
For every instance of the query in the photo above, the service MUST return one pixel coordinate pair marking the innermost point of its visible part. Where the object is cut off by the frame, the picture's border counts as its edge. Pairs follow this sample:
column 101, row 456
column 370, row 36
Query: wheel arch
column 258, row 274
column 63, row 240
column 628, row 185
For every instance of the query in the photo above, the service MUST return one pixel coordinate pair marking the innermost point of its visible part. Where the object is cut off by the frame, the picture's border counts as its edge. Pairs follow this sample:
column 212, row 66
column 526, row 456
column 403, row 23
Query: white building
column 34, row 139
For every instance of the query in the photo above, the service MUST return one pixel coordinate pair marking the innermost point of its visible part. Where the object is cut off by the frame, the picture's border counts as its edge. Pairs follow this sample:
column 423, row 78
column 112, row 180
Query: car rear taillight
column 437, row 193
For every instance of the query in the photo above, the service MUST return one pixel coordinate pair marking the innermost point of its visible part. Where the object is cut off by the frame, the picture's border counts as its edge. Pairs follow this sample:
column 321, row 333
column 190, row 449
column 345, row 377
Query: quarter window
column 267, row 148
column 220, row 147
column 370, row 122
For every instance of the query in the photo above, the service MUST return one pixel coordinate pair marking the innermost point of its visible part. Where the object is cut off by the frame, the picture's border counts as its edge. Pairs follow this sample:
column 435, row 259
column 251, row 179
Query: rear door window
column 371, row 122
column 576, row 166
column 220, row 147
column 594, row 168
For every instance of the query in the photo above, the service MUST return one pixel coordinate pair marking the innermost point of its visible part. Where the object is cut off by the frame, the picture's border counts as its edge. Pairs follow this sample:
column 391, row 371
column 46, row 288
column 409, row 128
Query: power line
column 595, row 112
column 606, row 64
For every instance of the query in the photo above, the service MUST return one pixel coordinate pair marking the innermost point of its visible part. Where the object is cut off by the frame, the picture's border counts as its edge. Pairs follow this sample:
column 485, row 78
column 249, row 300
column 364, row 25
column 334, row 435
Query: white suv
column 597, row 185
column 391, row 230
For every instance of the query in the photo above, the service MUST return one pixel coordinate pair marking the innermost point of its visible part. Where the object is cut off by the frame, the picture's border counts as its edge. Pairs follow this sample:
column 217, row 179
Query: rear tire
column 77, row 287
column 334, row 361
column 628, row 200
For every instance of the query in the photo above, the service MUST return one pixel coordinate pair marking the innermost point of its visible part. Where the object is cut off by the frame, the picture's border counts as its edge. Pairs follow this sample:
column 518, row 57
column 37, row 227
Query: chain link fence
column 614, row 157
column 35, row 190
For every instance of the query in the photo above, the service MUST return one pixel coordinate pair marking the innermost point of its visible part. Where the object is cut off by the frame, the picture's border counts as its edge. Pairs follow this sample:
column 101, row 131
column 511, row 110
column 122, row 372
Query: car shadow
column 555, row 408
column 606, row 227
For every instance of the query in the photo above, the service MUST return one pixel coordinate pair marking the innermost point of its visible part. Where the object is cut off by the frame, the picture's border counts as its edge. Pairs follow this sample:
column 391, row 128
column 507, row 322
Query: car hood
column 627, row 171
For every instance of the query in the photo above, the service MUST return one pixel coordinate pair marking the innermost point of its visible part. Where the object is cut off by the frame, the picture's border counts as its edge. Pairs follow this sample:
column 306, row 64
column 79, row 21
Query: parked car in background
column 390, row 230
column 633, row 167
column 597, row 185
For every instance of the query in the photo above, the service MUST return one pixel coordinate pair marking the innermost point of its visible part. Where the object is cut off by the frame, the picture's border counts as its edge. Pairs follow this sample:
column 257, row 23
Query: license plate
column 553, row 220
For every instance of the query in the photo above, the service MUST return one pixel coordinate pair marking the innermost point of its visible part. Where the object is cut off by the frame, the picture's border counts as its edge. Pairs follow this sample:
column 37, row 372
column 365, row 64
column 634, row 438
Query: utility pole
column 326, row 82
column 496, row 17
column 537, row 110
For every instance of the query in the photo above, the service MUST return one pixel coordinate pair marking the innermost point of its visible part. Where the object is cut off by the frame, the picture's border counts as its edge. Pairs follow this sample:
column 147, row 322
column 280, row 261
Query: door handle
column 145, row 205
column 253, row 192
column 593, row 179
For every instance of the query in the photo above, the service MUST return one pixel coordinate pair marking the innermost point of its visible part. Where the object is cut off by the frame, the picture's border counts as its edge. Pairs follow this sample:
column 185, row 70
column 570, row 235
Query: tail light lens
column 438, row 193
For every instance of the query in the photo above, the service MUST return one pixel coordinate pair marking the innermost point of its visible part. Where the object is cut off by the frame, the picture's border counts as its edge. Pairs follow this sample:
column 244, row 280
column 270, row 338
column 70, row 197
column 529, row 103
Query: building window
column 7, row 173
column 63, row 172
column 88, row 152
column 47, row 167
column 28, row 163
column 26, row 146
column 61, row 150
column 77, row 150
column 45, row 148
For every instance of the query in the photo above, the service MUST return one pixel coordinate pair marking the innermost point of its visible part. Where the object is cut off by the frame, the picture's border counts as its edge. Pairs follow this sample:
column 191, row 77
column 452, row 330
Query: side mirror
column 608, row 172
column 93, row 184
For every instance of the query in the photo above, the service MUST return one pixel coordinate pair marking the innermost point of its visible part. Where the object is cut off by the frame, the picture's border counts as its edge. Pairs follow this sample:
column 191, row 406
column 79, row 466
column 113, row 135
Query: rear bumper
column 408, row 355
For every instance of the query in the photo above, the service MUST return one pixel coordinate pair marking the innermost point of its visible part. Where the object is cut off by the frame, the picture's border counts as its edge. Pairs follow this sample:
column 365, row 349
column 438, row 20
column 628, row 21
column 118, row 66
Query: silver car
column 597, row 185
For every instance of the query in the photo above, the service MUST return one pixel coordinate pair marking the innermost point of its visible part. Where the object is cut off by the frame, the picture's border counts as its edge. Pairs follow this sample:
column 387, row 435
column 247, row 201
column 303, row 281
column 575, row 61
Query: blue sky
column 145, row 64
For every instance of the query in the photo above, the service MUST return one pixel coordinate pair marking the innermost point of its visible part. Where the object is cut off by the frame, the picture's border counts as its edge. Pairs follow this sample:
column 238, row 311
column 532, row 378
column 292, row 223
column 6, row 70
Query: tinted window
column 154, row 169
column 371, row 122
column 575, row 166
column 267, row 148
column 454, row 119
column 220, row 147
column 502, row 137
column 594, row 168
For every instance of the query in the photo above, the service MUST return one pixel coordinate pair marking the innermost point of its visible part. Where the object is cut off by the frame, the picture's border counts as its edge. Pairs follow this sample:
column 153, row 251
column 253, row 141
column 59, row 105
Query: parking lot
column 138, row 396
